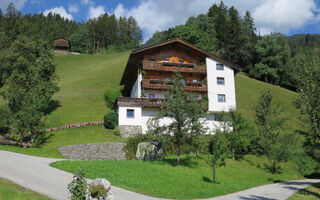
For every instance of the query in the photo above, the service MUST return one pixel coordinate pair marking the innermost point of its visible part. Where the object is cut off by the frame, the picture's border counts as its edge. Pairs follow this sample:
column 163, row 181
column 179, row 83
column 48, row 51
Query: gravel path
column 35, row 173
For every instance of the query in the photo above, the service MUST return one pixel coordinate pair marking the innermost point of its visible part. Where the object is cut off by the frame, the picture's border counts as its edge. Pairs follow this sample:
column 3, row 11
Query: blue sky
column 285, row 16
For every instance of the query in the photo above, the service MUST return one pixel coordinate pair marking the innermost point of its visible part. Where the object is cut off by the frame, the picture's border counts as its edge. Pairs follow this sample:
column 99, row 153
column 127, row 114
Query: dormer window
column 219, row 66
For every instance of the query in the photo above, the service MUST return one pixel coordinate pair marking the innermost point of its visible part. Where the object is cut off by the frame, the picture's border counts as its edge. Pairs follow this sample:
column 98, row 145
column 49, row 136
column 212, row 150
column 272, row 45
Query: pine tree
column 13, row 22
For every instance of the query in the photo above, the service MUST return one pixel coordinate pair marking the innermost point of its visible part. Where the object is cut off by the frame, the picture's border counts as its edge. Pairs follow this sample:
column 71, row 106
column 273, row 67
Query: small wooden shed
column 62, row 45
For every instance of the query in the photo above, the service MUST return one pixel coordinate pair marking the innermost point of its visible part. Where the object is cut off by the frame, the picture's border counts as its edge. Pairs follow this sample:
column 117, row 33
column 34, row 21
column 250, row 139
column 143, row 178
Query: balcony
column 160, row 84
column 171, row 67
column 143, row 102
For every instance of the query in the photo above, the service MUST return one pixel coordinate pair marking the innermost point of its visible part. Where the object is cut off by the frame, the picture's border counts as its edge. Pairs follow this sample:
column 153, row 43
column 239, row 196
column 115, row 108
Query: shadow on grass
column 42, row 140
column 186, row 162
column 255, row 197
column 52, row 106
column 307, row 192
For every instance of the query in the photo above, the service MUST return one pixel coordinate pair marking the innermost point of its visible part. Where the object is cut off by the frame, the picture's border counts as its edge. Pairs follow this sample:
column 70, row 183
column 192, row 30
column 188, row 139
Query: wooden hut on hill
column 62, row 45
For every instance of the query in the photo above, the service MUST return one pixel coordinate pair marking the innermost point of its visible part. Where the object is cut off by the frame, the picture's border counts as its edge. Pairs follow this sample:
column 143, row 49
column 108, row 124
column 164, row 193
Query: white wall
column 122, row 115
column 136, row 89
column 148, row 114
column 228, row 89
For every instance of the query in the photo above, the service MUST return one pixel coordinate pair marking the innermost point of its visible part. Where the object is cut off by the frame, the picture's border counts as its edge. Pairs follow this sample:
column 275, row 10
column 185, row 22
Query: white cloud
column 269, row 15
column 120, row 11
column 73, row 8
column 58, row 10
column 284, row 15
column 95, row 12
column 86, row 2
column 17, row 3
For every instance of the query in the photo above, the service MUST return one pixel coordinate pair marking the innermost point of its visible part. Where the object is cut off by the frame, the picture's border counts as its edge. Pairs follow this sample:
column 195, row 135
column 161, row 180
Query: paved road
column 35, row 173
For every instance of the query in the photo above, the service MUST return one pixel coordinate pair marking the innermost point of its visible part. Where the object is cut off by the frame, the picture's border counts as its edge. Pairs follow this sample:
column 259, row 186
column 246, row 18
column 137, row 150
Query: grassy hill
column 83, row 80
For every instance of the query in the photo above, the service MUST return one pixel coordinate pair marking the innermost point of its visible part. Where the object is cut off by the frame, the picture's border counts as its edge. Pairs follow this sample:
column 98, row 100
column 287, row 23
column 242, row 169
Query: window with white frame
column 130, row 113
column 220, row 80
column 151, row 95
column 221, row 98
column 219, row 66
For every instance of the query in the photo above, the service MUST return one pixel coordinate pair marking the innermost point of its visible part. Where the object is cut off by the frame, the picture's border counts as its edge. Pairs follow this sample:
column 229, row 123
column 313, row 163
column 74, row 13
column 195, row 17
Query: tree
column 269, row 125
column 307, row 78
column 29, row 86
column 13, row 22
column 242, row 135
column 219, row 152
column 80, row 40
column 178, row 106
column 273, row 56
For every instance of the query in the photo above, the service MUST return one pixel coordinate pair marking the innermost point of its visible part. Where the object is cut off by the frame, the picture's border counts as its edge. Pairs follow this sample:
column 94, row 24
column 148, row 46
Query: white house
column 146, row 76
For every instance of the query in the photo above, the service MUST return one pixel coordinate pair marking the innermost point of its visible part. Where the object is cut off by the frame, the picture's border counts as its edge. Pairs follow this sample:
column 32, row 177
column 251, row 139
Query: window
column 195, row 81
column 181, row 62
column 221, row 98
column 182, row 80
column 152, row 60
column 151, row 95
column 220, row 81
column 219, row 66
column 130, row 113
column 167, row 79
column 166, row 60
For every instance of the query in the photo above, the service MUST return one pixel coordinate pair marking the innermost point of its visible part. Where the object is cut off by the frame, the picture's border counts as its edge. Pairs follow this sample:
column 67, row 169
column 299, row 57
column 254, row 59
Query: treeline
column 107, row 33
column 225, row 33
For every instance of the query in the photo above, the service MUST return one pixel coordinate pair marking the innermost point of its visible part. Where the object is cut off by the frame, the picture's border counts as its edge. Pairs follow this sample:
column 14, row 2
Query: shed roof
column 60, row 42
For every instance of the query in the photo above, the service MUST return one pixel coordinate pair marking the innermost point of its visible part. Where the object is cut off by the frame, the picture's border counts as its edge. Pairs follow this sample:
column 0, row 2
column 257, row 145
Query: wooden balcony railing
column 170, row 67
column 158, row 84
column 143, row 102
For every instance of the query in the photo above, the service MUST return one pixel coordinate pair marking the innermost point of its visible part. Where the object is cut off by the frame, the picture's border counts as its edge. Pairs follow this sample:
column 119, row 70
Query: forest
column 102, row 35
column 222, row 31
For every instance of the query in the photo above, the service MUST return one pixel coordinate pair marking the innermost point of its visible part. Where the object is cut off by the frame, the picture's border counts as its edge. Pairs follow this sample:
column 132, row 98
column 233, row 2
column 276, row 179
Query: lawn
column 82, row 81
column 9, row 190
column 55, row 139
column 310, row 193
column 193, row 179
column 247, row 94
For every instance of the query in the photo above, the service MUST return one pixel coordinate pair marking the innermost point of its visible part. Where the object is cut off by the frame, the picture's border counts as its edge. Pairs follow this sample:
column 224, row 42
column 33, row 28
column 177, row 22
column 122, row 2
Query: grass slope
column 9, row 190
column 82, row 81
column 193, row 179
column 55, row 139
column 247, row 94
column 310, row 193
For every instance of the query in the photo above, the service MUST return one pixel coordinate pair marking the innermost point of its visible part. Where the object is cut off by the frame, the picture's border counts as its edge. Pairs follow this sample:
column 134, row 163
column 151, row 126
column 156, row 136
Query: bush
column 110, row 97
column 132, row 144
column 110, row 120
column 307, row 166
column 78, row 186
column 97, row 191
column 117, row 131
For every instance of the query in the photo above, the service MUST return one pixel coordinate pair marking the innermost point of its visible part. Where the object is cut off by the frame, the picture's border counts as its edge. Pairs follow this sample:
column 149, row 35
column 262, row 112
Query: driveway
column 35, row 174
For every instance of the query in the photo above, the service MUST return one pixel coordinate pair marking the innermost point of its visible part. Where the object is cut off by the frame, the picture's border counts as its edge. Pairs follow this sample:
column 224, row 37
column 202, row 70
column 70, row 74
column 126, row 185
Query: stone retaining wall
column 130, row 130
column 95, row 151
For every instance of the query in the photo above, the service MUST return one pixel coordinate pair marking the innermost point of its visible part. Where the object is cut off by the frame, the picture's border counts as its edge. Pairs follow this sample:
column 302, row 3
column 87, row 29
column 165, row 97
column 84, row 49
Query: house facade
column 61, row 45
column 146, row 80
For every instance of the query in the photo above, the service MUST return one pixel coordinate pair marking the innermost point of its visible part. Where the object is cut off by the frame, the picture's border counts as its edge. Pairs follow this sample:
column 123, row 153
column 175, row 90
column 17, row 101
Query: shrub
column 78, row 186
column 110, row 120
column 132, row 144
column 97, row 191
column 110, row 97
column 117, row 131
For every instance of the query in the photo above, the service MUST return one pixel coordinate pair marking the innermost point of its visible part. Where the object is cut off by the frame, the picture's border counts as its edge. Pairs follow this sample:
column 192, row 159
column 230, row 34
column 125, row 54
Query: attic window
column 219, row 66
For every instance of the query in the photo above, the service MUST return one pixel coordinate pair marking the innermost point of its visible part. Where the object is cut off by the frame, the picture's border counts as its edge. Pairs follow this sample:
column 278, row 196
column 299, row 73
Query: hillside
column 83, row 80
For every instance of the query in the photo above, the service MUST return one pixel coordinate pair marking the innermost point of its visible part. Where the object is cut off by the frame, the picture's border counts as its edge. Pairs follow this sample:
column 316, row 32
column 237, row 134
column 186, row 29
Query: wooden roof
column 60, row 42
column 130, row 73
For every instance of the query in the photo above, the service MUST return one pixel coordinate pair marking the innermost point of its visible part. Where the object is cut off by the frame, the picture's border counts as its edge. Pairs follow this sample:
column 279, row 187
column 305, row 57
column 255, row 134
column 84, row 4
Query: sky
column 286, row 16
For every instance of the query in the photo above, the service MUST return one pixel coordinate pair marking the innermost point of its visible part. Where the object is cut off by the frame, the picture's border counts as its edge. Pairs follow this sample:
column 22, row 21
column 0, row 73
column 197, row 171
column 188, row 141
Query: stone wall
column 96, row 151
column 130, row 130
